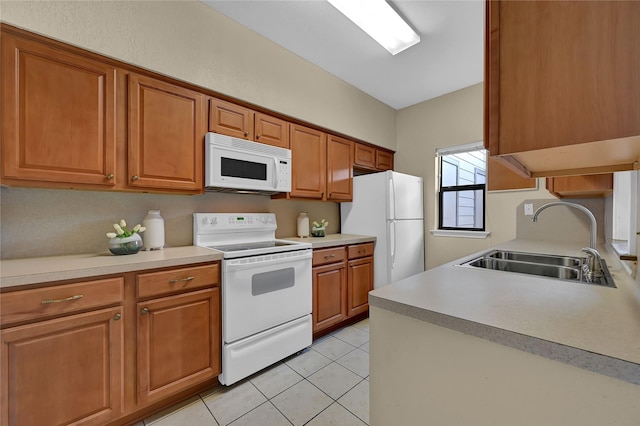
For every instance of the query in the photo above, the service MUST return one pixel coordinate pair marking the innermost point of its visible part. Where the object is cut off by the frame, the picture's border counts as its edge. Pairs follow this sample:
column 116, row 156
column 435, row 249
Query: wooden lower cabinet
column 342, row 280
column 329, row 295
column 65, row 370
column 110, row 350
column 178, row 342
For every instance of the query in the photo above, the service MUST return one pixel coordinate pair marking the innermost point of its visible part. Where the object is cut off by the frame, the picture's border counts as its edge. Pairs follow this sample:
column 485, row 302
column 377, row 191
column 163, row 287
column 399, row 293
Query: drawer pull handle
column 182, row 280
column 117, row 317
column 144, row 311
column 329, row 256
column 67, row 299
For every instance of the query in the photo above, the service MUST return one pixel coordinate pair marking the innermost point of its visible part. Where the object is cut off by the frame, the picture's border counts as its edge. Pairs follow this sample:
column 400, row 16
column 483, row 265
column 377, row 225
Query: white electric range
column 266, row 290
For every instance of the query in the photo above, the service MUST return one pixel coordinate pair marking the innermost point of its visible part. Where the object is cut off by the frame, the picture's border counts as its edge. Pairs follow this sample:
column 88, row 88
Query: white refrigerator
column 388, row 205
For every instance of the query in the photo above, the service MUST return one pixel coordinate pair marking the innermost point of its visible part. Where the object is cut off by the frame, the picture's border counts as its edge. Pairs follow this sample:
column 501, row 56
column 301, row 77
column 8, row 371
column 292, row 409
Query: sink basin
column 546, row 259
column 565, row 268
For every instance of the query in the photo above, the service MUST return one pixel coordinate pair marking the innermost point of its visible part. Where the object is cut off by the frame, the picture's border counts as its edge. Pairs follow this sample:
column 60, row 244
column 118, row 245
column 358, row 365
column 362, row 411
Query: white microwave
column 238, row 165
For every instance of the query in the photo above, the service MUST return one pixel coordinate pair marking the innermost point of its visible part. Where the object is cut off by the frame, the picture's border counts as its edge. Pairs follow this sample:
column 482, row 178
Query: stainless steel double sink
column 565, row 268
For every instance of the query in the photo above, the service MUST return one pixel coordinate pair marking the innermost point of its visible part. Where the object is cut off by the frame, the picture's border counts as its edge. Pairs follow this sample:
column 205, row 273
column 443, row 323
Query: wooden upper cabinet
column 58, row 121
column 339, row 169
column 501, row 178
column 561, row 74
column 271, row 130
column 167, row 124
column 308, row 162
column 230, row 119
column 369, row 158
column 384, row 160
column 235, row 120
column 364, row 156
column 589, row 186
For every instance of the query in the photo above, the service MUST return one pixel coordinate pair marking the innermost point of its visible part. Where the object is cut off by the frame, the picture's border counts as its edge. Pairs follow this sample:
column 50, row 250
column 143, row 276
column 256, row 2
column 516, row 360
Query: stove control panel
column 229, row 222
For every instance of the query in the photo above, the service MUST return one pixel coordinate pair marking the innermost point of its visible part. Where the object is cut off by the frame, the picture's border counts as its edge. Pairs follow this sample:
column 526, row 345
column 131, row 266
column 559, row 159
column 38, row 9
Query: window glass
column 462, row 172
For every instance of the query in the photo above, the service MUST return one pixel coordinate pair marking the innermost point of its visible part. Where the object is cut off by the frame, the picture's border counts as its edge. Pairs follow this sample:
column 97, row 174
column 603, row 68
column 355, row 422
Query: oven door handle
column 266, row 260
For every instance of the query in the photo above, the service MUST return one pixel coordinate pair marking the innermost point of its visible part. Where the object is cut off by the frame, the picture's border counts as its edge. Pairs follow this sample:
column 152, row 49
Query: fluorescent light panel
column 380, row 21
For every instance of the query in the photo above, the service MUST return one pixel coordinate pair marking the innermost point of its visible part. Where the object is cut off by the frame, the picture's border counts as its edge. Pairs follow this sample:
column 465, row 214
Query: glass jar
column 154, row 232
column 128, row 245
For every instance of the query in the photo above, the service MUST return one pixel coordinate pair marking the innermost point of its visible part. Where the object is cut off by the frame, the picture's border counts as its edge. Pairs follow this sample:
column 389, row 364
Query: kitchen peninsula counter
column 521, row 324
column 20, row 272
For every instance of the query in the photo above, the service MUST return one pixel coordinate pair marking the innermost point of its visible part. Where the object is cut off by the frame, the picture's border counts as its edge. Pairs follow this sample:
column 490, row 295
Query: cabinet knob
column 117, row 317
column 110, row 176
column 246, row 134
column 134, row 177
column 144, row 311
column 257, row 136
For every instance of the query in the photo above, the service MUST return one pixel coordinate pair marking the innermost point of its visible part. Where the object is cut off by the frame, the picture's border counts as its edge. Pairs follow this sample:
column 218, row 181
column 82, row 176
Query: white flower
column 137, row 228
column 123, row 224
column 142, row 229
column 118, row 229
column 111, row 234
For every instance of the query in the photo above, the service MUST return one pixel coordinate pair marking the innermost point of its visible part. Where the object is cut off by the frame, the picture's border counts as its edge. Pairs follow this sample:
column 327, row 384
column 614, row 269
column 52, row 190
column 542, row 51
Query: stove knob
column 214, row 221
column 264, row 219
column 205, row 221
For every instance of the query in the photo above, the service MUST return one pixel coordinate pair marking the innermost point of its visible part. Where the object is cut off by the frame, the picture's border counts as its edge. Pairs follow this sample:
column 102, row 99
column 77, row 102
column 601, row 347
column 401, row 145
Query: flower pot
column 128, row 245
column 317, row 232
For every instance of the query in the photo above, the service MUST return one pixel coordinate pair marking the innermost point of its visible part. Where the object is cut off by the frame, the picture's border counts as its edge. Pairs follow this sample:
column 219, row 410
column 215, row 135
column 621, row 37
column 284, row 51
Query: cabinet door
column 364, row 156
column 62, row 371
column 308, row 162
column 329, row 295
column 230, row 119
column 178, row 343
column 166, row 135
column 501, row 178
column 271, row 130
column 58, row 121
column 360, row 284
column 562, row 73
column 384, row 160
column 589, row 186
column 339, row 169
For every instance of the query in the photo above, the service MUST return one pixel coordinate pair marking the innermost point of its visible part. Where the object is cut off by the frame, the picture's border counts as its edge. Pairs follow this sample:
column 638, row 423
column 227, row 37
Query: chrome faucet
column 591, row 268
column 592, row 219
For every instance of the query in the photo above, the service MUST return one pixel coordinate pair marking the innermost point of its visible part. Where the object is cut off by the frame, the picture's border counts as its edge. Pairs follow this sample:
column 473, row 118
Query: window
column 461, row 189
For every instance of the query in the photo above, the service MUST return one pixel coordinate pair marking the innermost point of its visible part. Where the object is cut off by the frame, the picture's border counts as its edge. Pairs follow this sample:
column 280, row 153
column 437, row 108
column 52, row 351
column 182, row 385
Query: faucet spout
column 592, row 219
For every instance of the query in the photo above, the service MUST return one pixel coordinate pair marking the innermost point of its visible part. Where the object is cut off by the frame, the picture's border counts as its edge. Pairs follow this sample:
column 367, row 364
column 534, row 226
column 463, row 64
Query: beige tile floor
column 327, row 384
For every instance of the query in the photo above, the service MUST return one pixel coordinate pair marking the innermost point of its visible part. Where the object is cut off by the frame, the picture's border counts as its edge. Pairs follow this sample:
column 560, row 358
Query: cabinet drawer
column 360, row 250
column 177, row 280
column 34, row 304
column 329, row 255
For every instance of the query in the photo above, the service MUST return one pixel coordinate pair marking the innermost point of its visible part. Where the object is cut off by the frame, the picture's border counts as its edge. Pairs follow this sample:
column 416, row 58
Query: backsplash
column 50, row 222
column 561, row 223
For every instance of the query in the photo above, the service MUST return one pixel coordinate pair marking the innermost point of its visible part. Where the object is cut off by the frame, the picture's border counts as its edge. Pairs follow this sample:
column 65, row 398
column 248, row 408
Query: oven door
column 261, row 292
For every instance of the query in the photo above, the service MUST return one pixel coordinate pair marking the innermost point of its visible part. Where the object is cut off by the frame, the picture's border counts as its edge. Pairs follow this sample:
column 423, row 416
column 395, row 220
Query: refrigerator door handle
column 392, row 229
column 392, row 201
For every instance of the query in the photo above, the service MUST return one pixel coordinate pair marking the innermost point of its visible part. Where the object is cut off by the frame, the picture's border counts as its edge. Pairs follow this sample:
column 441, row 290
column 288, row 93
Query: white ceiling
column 449, row 56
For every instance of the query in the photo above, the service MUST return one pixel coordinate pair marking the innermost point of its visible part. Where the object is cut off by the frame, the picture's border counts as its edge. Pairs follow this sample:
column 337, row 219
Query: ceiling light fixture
column 380, row 21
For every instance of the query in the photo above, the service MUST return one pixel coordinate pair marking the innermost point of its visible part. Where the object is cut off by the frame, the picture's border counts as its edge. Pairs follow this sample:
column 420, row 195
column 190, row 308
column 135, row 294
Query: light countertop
column 592, row 327
column 19, row 272
column 332, row 240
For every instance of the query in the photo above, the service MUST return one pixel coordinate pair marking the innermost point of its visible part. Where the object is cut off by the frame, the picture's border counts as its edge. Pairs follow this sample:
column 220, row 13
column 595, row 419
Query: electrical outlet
column 528, row 209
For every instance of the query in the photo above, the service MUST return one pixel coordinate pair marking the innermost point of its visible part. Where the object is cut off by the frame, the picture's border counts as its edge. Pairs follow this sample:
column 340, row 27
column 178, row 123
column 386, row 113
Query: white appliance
column 238, row 165
column 388, row 205
column 266, row 290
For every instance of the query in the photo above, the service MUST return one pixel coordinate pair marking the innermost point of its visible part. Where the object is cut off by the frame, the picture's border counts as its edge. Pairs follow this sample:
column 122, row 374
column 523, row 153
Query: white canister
column 153, row 236
column 303, row 225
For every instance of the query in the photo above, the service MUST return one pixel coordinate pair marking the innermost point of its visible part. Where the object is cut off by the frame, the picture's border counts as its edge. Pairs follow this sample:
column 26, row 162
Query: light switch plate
column 528, row 209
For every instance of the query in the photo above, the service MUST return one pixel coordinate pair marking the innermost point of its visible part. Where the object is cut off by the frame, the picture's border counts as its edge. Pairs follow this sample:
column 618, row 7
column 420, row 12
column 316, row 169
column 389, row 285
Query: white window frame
column 464, row 233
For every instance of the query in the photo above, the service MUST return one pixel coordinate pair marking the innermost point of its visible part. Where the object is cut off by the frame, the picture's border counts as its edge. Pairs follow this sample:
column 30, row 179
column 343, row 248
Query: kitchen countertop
column 19, row 272
column 332, row 240
column 588, row 326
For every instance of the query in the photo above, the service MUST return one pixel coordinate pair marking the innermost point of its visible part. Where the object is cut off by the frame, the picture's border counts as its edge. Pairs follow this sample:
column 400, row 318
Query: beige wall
column 453, row 119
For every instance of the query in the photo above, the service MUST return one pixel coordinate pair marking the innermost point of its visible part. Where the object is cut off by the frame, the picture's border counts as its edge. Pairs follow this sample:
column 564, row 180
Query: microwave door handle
column 276, row 172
